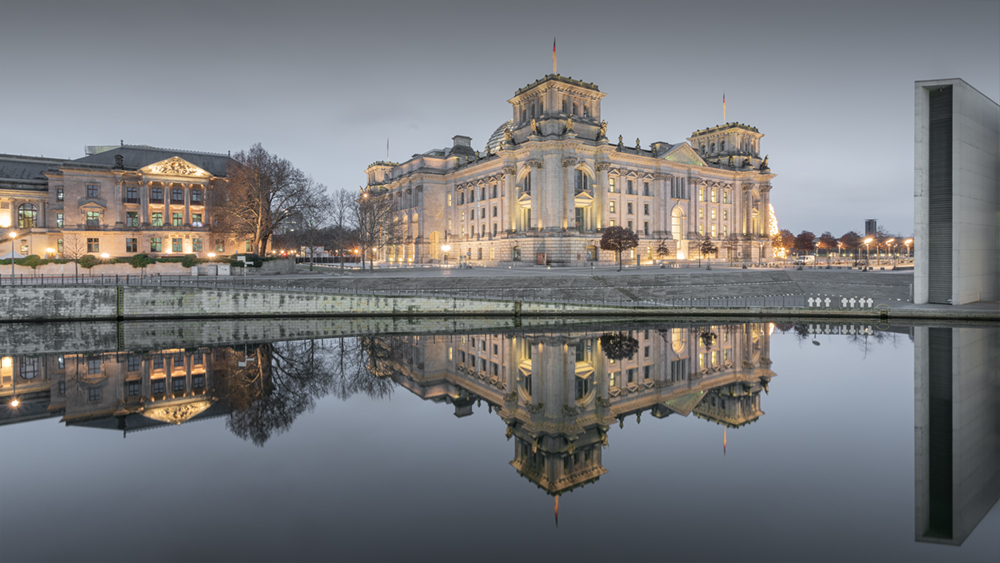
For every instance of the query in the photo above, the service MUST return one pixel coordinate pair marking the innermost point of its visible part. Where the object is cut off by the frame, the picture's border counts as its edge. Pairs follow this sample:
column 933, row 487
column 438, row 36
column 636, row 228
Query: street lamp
column 840, row 246
column 907, row 244
column 868, row 253
column 888, row 248
column 12, row 236
column 211, row 255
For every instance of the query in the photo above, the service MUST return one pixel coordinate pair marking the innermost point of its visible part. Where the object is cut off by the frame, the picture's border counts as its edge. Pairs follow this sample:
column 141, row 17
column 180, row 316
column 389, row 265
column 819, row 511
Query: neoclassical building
column 548, row 183
column 122, row 201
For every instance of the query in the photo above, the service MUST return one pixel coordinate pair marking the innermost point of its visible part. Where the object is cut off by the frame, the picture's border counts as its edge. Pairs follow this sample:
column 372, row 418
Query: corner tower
column 551, row 101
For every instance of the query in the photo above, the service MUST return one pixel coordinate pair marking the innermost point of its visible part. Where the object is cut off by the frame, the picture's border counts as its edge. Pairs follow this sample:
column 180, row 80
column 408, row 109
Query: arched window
column 586, row 111
column 677, row 224
column 583, row 182
column 27, row 216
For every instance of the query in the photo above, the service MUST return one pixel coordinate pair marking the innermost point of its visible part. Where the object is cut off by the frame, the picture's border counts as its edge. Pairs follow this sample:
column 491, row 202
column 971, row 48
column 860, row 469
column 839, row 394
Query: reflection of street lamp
column 445, row 248
column 868, row 253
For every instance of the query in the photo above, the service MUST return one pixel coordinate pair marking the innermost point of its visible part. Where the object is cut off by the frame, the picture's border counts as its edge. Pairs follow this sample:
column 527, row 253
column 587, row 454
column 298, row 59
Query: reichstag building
column 549, row 182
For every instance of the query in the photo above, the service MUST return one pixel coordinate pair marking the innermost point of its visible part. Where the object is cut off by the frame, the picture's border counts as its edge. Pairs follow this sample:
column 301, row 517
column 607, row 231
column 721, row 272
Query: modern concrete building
column 956, row 194
column 548, row 183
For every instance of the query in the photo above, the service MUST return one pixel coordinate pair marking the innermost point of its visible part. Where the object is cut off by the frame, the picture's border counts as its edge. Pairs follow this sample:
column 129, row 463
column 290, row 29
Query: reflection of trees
column 619, row 345
column 269, row 385
column 275, row 384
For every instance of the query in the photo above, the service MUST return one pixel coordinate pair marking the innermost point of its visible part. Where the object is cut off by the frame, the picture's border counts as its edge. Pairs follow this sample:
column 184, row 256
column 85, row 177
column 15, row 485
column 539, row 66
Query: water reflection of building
column 125, row 391
column 560, row 393
column 957, row 430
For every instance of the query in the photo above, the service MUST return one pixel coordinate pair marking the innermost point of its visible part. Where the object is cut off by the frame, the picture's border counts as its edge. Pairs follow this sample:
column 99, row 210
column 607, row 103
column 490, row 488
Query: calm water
column 610, row 441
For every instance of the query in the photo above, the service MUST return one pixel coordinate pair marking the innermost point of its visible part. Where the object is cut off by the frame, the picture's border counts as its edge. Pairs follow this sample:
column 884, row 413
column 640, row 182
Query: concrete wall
column 976, row 199
column 62, row 303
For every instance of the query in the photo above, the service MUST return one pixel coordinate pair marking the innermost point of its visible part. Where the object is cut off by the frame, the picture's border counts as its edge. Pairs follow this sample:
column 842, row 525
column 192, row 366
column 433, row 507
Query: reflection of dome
column 496, row 139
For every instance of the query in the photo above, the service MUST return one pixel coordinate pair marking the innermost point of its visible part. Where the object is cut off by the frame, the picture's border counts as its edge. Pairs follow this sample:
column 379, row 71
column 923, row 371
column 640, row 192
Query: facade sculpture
column 546, row 190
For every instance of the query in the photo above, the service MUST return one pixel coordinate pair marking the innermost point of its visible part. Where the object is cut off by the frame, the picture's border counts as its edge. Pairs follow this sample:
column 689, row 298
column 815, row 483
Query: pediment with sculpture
column 174, row 166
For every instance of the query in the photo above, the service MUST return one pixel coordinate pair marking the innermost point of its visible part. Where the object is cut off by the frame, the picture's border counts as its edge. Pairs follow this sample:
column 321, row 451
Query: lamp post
column 868, row 253
column 840, row 247
column 12, row 236
column 907, row 244
column 888, row 249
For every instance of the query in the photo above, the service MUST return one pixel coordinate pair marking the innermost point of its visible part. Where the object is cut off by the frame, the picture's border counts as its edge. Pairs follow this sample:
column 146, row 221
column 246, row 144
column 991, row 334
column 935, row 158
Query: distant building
column 548, row 183
column 124, row 201
column 956, row 194
column 871, row 227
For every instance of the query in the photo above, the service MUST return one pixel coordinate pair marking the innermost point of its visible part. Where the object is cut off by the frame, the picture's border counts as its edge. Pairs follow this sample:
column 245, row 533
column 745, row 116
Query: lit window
column 713, row 215
column 701, row 212
column 713, row 195
column 612, row 185
column 611, row 206
column 131, row 219
column 725, row 214
column 155, row 244
column 59, row 220
column 59, row 194
column 196, row 245
column 196, row 220
column 157, row 219
column 27, row 216
column 178, row 219
column 131, row 245
column 93, row 218
column 176, row 245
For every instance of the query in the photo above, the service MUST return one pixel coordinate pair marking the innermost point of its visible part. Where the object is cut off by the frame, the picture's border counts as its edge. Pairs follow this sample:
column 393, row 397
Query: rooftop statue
column 638, row 146
column 730, row 161
column 763, row 165
column 534, row 126
column 602, row 130
column 508, row 137
column 569, row 124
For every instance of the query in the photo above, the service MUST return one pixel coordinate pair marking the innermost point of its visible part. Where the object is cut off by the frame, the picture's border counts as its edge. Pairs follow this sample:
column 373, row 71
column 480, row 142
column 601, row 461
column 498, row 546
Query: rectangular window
column 196, row 245
column 482, row 213
column 178, row 219
column 157, row 219
column 93, row 190
column 134, row 362
column 628, row 189
column 131, row 218
column 645, row 228
column 59, row 194
column 701, row 229
column 494, row 191
column 713, row 231
column 701, row 194
column 630, row 225
column 177, row 195
column 482, row 193
column 611, row 223
column 158, row 362
column 725, row 214
column 198, row 381
column 701, row 212
column 612, row 185
column 159, row 386
column 132, row 194
column 59, row 246
column 629, row 205
column 494, row 234
column 713, row 195
column 156, row 244
column 62, row 388
column 196, row 220
column 461, row 216
column 179, row 384
column 725, row 230
column 494, row 211
column 645, row 209
column 156, row 195
column 461, row 198
column 94, row 394
column 131, row 245
column 220, row 245
column 646, row 372
column 175, row 245
column 59, row 220
column 133, row 388
column 195, row 197
column 449, row 200
column 611, row 206
column 93, row 366
column 645, row 188
column 93, row 245
column 249, row 246
column 713, row 215
column 93, row 218
column 725, row 196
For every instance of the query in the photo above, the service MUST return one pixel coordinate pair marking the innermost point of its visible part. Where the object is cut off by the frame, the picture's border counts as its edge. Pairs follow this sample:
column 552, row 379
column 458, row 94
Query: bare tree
column 731, row 244
column 74, row 248
column 377, row 221
column 343, row 214
column 315, row 218
column 706, row 248
column 262, row 192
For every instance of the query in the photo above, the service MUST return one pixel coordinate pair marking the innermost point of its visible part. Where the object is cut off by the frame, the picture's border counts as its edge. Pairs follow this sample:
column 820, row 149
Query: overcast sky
column 324, row 84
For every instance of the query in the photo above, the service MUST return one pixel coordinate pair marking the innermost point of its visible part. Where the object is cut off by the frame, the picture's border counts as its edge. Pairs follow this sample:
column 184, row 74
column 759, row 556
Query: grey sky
column 324, row 84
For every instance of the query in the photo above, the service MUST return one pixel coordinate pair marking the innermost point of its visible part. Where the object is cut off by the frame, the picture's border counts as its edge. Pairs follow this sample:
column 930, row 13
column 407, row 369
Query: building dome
column 496, row 139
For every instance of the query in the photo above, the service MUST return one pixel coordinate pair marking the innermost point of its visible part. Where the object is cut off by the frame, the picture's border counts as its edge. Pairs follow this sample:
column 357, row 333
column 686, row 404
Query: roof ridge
column 173, row 150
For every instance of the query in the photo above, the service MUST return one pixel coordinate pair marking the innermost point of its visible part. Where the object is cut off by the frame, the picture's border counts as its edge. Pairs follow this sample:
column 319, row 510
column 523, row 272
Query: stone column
column 661, row 194
column 692, row 210
column 167, row 219
column 187, row 205
column 568, row 221
column 601, row 195
column 144, row 203
column 118, row 202
column 552, row 198
column 511, row 198
column 535, row 167
column 765, row 209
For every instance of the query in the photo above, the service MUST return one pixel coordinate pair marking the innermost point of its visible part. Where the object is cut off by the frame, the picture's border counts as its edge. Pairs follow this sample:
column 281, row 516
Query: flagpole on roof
column 723, row 107
column 554, row 56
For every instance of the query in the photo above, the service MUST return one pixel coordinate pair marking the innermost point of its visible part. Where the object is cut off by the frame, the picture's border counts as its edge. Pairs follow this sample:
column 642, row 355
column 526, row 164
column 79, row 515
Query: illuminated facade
column 548, row 183
column 560, row 393
column 124, row 201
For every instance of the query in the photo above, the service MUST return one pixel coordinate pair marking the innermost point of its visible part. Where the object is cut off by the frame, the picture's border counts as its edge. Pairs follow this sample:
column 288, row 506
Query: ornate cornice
column 569, row 161
column 509, row 170
column 602, row 166
column 533, row 162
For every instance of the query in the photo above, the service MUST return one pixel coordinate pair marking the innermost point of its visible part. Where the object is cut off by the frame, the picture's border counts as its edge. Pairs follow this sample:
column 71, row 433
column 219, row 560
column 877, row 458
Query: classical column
column 601, row 195
column 511, row 197
column 187, row 204
column 661, row 227
column 568, row 221
column 144, row 203
column 535, row 166
column 118, row 202
column 765, row 209
column 167, row 219
column 552, row 198
column 692, row 210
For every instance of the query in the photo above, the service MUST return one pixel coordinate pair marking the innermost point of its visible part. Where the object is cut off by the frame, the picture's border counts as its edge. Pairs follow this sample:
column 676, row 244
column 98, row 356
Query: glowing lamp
column 15, row 402
column 105, row 255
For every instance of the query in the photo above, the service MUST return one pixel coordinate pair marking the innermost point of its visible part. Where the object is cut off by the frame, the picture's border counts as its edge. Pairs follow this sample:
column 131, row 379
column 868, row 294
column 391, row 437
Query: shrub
column 88, row 261
column 190, row 260
column 141, row 261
